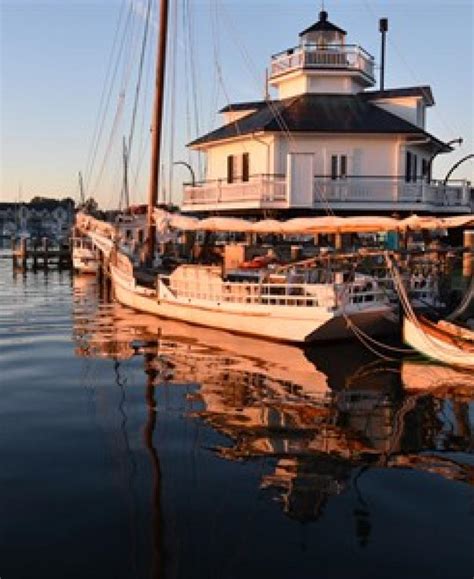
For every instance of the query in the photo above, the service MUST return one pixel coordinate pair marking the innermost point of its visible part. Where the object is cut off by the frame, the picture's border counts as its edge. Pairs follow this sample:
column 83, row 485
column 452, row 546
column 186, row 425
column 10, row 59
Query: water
column 134, row 448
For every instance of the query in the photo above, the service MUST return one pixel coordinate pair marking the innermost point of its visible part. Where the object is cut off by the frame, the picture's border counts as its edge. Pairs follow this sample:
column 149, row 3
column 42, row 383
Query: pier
column 41, row 255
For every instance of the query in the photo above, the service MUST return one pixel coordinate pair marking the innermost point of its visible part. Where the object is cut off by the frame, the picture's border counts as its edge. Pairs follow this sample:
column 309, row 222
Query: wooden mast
column 156, row 131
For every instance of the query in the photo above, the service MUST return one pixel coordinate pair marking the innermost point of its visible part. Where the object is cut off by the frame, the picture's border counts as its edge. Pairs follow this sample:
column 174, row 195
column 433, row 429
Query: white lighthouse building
column 328, row 142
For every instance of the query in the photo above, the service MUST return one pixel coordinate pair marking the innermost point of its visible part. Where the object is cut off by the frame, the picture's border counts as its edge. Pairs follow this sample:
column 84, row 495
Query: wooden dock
column 40, row 256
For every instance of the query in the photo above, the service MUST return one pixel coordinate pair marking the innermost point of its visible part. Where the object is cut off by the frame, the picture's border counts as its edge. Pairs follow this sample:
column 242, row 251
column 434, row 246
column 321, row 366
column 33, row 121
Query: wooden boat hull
column 287, row 324
column 434, row 346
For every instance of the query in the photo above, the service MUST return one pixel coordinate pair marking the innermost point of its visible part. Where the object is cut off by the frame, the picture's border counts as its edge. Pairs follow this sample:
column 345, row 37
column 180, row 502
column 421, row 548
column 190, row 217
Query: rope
column 105, row 100
column 410, row 314
column 139, row 79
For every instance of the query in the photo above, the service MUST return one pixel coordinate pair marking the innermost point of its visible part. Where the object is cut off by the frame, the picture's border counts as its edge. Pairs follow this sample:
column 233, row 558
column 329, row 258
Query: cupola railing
column 329, row 56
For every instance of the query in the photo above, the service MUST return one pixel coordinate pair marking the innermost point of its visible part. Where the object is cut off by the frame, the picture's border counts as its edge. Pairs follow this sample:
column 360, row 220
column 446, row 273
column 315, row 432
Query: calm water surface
column 135, row 448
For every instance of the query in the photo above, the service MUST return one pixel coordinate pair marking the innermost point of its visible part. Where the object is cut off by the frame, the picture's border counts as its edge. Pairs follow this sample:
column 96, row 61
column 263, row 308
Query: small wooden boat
column 442, row 341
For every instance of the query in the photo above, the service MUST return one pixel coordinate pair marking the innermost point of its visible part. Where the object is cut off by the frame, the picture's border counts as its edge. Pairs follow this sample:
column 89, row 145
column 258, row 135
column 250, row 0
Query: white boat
column 435, row 342
column 85, row 257
column 285, row 307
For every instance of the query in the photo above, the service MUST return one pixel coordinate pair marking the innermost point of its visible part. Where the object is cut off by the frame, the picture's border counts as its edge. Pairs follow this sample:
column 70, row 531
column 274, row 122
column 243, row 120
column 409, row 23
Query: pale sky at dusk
column 55, row 55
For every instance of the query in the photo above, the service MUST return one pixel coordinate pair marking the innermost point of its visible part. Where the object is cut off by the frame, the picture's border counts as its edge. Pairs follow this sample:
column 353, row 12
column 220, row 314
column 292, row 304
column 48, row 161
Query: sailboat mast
column 156, row 129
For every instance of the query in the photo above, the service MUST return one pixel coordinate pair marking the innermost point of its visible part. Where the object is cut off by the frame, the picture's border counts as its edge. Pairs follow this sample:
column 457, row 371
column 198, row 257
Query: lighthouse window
column 338, row 166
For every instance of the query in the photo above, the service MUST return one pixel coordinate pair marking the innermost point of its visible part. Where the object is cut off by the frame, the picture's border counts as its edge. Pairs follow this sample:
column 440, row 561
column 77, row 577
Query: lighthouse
column 327, row 140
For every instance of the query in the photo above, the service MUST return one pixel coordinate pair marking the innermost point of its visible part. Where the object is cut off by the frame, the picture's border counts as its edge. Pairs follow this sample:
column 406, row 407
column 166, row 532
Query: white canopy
column 308, row 225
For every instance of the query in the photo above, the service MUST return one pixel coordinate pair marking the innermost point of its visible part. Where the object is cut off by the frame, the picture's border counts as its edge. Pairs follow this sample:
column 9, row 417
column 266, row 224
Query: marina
column 264, row 370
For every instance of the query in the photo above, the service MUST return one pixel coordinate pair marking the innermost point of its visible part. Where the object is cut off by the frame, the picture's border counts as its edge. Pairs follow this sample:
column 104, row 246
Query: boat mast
column 156, row 130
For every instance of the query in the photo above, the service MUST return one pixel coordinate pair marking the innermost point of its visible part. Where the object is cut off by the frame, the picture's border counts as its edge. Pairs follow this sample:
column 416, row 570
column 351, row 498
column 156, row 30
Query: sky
column 69, row 71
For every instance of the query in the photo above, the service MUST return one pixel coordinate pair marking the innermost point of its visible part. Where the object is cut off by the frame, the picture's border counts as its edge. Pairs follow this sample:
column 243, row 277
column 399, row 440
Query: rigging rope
column 410, row 314
column 140, row 73
column 126, row 76
column 105, row 100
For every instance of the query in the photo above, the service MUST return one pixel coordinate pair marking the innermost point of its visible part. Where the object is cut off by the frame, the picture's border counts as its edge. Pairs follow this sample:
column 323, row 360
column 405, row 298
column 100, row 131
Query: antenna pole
column 81, row 189
column 156, row 130
column 383, row 27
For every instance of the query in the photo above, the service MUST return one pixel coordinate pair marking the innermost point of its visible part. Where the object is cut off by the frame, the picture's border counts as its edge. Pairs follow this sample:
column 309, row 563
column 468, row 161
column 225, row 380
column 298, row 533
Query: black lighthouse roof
column 323, row 25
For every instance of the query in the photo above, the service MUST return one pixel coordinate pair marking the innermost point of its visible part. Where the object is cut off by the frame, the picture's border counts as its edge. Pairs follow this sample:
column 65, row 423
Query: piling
column 23, row 253
column 45, row 249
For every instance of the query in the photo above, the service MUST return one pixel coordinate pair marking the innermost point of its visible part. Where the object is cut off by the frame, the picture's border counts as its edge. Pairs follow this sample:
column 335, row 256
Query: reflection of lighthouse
column 307, row 483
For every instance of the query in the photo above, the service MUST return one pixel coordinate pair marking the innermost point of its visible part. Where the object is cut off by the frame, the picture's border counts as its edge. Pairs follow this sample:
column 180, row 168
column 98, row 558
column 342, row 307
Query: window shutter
column 245, row 167
column 343, row 167
column 230, row 168
column 415, row 168
column 424, row 169
column 334, row 167
column 408, row 167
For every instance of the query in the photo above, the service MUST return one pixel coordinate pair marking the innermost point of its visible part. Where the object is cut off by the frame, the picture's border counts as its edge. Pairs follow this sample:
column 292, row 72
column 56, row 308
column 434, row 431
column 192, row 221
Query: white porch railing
column 386, row 190
column 260, row 188
column 331, row 57
column 269, row 190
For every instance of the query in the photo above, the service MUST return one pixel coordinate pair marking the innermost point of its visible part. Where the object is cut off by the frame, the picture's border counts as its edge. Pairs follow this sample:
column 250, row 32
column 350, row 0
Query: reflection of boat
column 443, row 342
column 426, row 376
column 116, row 331
column 269, row 400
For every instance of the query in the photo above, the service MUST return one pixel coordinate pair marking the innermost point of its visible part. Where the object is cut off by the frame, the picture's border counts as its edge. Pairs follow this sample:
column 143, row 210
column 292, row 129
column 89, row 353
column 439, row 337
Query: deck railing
column 272, row 190
column 329, row 296
column 390, row 189
column 349, row 57
column 262, row 188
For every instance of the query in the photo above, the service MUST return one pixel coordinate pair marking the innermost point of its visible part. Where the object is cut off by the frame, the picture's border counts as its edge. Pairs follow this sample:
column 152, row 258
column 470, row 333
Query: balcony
column 382, row 193
column 260, row 192
column 359, row 194
column 330, row 57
